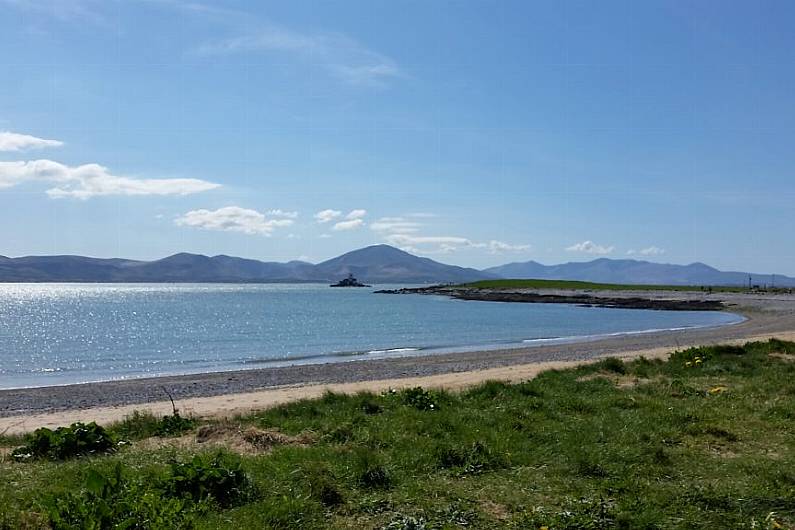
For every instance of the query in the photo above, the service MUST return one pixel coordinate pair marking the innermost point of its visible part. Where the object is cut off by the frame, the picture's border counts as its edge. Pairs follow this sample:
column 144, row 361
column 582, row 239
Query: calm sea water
column 54, row 334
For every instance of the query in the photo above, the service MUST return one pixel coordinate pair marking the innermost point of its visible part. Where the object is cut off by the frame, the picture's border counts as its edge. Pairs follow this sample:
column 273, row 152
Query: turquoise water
column 54, row 334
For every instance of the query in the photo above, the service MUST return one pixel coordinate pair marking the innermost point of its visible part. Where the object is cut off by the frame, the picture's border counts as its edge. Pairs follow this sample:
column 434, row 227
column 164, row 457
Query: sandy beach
column 225, row 394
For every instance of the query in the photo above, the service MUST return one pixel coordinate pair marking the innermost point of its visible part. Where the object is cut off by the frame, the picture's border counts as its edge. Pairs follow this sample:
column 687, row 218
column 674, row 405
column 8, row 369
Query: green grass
column 568, row 284
column 704, row 440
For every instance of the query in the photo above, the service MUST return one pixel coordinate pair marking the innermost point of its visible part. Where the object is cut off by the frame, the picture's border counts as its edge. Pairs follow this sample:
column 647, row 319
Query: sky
column 471, row 132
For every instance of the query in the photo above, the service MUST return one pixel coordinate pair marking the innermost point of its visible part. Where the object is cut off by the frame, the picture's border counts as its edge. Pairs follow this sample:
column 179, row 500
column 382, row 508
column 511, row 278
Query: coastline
column 221, row 394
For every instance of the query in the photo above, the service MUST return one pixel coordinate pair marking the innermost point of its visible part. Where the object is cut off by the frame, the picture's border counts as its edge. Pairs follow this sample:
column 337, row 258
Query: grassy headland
column 703, row 440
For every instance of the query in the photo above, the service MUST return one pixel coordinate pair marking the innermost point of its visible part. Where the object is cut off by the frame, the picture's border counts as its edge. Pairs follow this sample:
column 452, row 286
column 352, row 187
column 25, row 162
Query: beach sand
column 226, row 394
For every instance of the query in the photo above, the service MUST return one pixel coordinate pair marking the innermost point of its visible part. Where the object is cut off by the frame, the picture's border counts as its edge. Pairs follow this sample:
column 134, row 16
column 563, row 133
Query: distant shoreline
column 28, row 408
column 586, row 299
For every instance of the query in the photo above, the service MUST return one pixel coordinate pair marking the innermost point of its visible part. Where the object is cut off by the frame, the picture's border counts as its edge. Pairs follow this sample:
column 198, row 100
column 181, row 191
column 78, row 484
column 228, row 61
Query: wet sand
column 229, row 393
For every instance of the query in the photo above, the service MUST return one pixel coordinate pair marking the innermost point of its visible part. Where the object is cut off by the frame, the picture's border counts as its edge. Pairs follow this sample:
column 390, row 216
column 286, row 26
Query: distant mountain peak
column 379, row 250
column 184, row 255
column 699, row 265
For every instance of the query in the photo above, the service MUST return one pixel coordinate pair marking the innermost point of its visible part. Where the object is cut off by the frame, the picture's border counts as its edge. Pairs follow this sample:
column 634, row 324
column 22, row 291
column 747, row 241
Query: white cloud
column 351, row 224
column 448, row 244
column 93, row 180
column 324, row 236
column 324, row 216
column 232, row 219
column 395, row 225
column 356, row 214
column 589, row 247
column 341, row 56
column 650, row 251
column 282, row 213
column 12, row 142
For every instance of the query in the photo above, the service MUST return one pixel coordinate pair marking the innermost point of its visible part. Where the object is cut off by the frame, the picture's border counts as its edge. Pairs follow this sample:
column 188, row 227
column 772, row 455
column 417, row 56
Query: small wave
column 391, row 350
column 578, row 338
column 326, row 356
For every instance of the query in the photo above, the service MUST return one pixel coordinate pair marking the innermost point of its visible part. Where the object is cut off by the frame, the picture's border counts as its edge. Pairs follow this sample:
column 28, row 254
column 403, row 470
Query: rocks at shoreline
column 587, row 300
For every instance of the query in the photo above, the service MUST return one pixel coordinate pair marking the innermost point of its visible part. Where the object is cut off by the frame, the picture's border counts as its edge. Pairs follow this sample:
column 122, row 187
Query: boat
column 350, row 281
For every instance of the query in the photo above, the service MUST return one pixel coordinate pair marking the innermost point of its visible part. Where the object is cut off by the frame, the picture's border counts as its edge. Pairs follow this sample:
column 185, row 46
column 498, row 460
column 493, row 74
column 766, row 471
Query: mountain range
column 629, row 271
column 374, row 264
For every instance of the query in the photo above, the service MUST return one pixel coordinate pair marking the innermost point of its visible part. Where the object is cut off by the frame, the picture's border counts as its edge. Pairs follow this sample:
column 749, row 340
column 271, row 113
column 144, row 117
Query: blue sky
column 472, row 132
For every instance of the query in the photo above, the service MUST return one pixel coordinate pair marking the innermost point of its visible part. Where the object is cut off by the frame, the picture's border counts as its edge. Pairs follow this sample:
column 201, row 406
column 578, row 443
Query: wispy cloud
column 232, row 219
column 403, row 232
column 350, row 224
column 589, row 247
column 282, row 213
column 498, row 247
column 340, row 55
column 650, row 251
column 13, row 142
column 356, row 214
column 92, row 180
column 428, row 244
column 395, row 225
column 448, row 244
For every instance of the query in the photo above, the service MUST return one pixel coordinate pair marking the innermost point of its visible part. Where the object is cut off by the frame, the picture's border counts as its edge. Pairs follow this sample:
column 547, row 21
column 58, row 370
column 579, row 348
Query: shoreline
column 227, row 406
column 227, row 393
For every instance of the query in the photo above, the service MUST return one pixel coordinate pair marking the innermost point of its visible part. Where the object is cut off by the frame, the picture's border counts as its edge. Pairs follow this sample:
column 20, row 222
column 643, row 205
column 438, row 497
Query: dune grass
column 591, row 286
column 704, row 440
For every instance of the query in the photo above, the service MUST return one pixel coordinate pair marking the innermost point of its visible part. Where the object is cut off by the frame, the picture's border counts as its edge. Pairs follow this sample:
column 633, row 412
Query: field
column 590, row 286
column 703, row 440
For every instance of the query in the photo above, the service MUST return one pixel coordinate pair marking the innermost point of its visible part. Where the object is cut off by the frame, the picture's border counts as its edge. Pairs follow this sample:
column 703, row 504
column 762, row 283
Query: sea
column 56, row 334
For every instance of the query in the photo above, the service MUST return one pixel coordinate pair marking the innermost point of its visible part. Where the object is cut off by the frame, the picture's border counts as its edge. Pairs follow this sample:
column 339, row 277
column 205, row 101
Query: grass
column 591, row 286
column 703, row 440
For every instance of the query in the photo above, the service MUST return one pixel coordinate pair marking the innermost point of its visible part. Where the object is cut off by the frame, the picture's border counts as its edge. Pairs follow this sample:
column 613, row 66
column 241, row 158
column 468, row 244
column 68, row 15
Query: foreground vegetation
column 591, row 286
column 704, row 440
